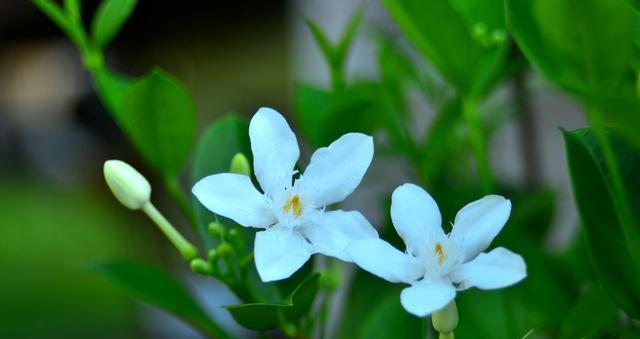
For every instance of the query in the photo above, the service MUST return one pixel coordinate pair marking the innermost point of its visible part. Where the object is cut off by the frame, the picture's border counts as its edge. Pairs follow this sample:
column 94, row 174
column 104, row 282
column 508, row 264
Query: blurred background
column 57, row 215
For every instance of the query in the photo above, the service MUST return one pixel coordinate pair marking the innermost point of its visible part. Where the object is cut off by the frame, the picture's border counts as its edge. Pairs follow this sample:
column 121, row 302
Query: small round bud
column 498, row 36
column 216, row 229
column 224, row 249
column 240, row 164
column 200, row 266
column 446, row 320
column 233, row 233
column 212, row 255
column 127, row 184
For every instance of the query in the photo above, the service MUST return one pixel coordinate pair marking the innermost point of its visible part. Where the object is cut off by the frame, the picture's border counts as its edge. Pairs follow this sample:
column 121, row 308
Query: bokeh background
column 56, row 214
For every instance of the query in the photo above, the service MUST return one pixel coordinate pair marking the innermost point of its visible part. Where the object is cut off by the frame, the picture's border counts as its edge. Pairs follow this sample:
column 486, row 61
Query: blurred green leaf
column 74, row 10
column 55, row 14
column 570, row 42
column 109, row 19
column 159, row 289
column 389, row 320
column 112, row 88
column 600, row 222
column 325, row 116
column 266, row 316
column 214, row 151
column 592, row 315
column 464, row 39
column 161, row 121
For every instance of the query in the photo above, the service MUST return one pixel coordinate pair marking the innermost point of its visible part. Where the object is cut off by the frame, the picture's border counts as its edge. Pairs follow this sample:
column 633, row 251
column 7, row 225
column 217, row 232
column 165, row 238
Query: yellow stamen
column 440, row 254
column 293, row 204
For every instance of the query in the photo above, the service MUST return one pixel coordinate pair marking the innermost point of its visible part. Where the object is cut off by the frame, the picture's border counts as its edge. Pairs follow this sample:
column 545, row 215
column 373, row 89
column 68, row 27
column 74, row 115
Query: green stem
column 617, row 186
column 186, row 249
column 177, row 194
column 476, row 138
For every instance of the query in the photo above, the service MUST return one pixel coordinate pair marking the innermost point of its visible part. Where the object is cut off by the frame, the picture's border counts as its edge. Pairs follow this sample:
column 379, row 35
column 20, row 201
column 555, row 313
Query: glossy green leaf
column 214, row 151
column 592, row 315
column 325, row 116
column 611, row 257
column 109, row 19
column 389, row 320
column 571, row 42
column 160, row 289
column 266, row 316
column 464, row 39
column 161, row 121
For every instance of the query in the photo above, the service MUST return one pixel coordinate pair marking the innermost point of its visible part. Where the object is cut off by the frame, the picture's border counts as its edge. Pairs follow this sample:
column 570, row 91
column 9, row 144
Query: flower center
column 293, row 206
column 440, row 253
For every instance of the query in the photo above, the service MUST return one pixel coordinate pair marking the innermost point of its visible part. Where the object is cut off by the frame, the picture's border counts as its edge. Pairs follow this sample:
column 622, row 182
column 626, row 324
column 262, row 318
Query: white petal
column 427, row 296
column 415, row 216
column 279, row 252
column 331, row 232
column 380, row 258
column 496, row 269
column 335, row 171
column 479, row 222
column 275, row 150
column 234, row 196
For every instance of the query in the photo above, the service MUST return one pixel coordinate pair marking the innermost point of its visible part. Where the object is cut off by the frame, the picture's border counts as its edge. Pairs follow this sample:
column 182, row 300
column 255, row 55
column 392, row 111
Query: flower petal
column 427, row 296
column 275, row 150
column 279, row 252
column 478, row 223
column 331, row 232
column 380, row 258
column 415, row 216
column 496, row 269
column 234, row 196
column 335, row 171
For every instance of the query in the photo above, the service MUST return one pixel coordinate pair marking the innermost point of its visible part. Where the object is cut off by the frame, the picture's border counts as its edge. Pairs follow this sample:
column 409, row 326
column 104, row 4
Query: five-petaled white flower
column 292, row 212
column 436, row 264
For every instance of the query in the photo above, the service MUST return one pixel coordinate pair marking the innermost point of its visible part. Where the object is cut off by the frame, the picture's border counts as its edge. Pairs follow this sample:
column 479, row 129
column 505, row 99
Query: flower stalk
column 478, row 143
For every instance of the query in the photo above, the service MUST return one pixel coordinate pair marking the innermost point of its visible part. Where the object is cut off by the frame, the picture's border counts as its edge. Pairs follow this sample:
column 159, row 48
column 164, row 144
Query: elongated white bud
column 128, row 185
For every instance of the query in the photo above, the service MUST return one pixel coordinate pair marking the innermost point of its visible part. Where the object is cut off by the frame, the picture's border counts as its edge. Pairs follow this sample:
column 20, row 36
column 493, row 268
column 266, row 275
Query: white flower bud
column 127, row 184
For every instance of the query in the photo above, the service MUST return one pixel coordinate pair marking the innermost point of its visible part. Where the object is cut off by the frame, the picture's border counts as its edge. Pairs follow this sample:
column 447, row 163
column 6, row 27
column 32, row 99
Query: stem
column 528, row 135
column 177, row 194
column 476, row 138
column 424, row 329
column 617, row 187
column 186, row 249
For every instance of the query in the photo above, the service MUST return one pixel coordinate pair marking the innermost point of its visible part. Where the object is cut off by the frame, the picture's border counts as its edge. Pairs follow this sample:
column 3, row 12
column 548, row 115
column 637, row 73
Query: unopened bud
column 216, row 229
column 200, row 266
column 445, row 320
column 127, row 184
column 240, row 164
column 212, row 255
column 224, row 249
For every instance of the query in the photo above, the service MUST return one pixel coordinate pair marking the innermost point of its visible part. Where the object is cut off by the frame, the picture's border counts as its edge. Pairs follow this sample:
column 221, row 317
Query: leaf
column 266, row 316
column 389, row 320
column 214, row 151
column 602, row 228
column 160, row 289
column 325, row 116
column 323, row 42
column 469, row 53
column 161, row 121
column 55, row 14
column 112, row 88
column 109, row 19
column 591, row 316
column 570, row 42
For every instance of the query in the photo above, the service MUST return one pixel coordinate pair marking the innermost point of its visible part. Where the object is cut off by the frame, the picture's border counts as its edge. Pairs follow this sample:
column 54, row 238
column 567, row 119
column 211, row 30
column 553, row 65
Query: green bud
column 445, row 320
column 127, row 184
column 212, row 255
column 233, row 233
column 201, row 267
column 240, row 164
column 498, row 36
column 216, row 229
column 224, row 249
column 479, row 30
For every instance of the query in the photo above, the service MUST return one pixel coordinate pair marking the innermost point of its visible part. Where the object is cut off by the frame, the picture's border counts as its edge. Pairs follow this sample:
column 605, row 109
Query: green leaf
column 160, row 289
column 112, row 88
column 55, row 14
column 464, row 39
column 342, row 48
column 74, row 10
column 325, row 116
column 570, row 42
column 611, row 257
column 592, row 315
column 389, row 320
column 161, row 121
column 323, row 42
column 109, row 19
column 266, row 316
column 214, row 151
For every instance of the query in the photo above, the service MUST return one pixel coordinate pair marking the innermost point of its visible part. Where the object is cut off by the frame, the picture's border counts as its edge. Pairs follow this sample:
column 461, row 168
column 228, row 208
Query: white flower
column 437, row 264
column 292, row 212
